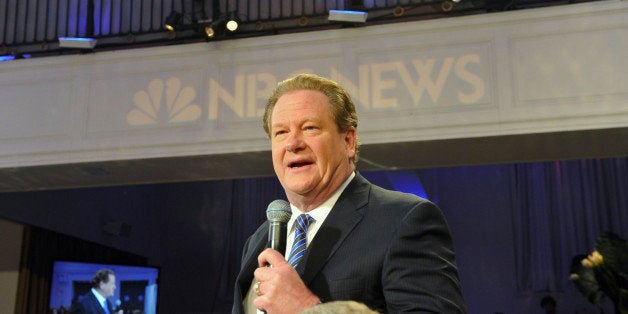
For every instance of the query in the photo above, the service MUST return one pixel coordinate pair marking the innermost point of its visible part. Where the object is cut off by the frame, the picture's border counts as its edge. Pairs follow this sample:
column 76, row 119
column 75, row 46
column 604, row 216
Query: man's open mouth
column 299, row 164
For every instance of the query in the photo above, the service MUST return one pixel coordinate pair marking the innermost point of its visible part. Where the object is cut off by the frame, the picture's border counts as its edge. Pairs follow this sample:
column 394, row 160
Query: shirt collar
column 99, row 296
column 320, row 213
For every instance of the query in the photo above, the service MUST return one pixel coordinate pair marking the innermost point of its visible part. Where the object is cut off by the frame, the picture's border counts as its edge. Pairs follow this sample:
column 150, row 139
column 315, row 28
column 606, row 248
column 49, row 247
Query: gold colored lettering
column 257, row 95
column 426, row 83
column 360, row 95
column 235, row 101
column 380, row 84
column 470, row 78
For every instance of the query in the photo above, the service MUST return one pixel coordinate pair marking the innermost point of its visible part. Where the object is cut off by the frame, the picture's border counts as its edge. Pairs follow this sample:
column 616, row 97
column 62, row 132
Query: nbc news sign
column 408, row 83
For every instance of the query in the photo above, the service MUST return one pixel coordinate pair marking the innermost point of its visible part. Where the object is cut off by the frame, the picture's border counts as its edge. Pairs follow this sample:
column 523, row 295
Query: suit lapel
column 257, row 245
column 343, row 217
column 95, row 304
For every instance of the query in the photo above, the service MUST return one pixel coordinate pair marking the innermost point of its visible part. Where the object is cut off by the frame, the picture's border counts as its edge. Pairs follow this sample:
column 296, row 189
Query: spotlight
column 447, row 5
column 209, row 31
column 77, row 42
column 173, row 20
column 347, row 16
column 209, row 28
column 232, row 23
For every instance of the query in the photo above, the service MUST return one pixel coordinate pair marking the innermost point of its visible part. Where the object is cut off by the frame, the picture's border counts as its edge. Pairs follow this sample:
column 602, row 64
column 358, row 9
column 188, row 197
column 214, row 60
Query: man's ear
column 350, row 142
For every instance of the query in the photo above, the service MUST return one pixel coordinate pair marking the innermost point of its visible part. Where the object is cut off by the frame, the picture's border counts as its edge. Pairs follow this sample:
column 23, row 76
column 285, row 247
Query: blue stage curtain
column 243, row 208
column 559, row 210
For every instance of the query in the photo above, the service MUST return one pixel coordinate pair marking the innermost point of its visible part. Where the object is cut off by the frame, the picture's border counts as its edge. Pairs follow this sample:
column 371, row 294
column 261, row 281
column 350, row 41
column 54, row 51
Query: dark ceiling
column 32, row 28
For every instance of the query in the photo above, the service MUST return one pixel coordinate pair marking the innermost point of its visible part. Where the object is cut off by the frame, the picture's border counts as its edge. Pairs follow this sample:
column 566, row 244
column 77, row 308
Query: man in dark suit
column 390, row 251
column 95, row 301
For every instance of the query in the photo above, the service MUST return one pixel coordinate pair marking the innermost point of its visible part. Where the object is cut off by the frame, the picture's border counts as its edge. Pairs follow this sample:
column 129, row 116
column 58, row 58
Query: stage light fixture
column 173, row 20
column 447, row 5
column 347, row 16
column 77, row 42
column 232, row 23
column 210, row 28
column 209, row 31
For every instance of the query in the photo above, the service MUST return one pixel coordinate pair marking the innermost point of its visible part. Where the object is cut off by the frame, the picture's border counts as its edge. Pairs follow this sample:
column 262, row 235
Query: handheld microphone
column 278, row 214
column 118, row 307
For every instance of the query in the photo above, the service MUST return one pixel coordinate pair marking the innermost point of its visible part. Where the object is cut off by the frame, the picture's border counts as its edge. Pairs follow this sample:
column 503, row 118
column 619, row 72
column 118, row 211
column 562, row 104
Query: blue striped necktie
column 300, row 239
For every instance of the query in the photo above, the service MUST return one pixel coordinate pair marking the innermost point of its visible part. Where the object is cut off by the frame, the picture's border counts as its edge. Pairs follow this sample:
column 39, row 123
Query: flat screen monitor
column 136, row 291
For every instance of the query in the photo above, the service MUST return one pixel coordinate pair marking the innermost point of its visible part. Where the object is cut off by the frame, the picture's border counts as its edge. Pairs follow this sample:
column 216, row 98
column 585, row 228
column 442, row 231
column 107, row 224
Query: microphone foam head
column 279, row 211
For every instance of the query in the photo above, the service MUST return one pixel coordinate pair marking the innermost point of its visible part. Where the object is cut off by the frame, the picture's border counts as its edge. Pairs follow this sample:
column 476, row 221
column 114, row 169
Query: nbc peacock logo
column 164, row 102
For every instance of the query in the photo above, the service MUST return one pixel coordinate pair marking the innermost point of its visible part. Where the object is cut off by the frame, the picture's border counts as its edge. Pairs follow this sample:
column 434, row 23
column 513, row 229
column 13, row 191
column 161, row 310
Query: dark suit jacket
column 89, row 305
column 389, row 250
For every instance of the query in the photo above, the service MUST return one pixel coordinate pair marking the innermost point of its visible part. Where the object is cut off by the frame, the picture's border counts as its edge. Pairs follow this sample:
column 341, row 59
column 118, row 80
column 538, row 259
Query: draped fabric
column 559, row 210
column 40, row 249
column 244, row 212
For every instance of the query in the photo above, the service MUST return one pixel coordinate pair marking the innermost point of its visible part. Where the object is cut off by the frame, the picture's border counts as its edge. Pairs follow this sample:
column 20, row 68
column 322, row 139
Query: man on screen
column 95, row 301
column 391, row 251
